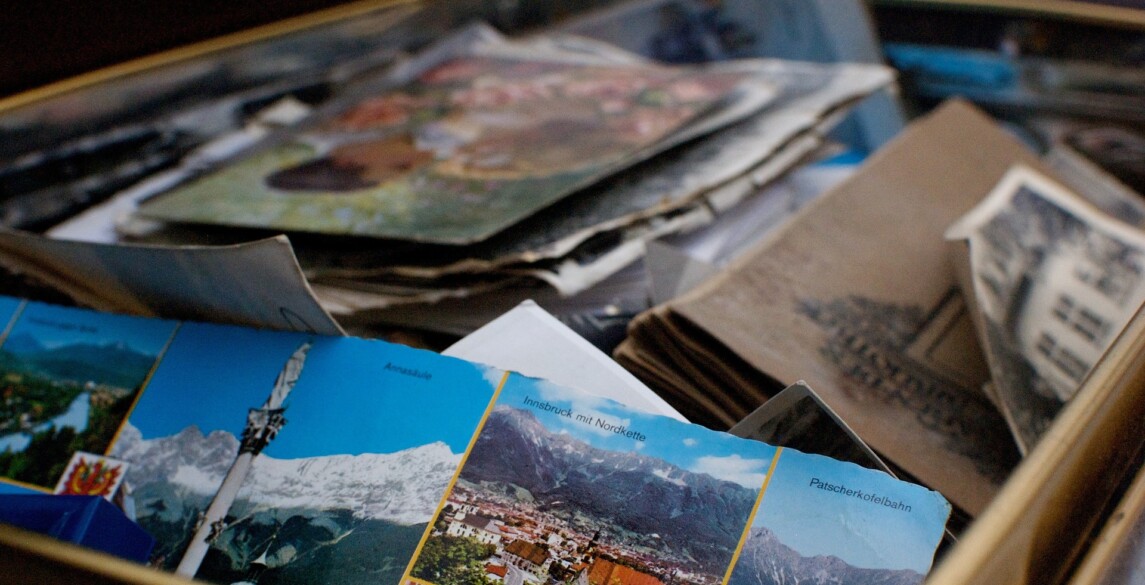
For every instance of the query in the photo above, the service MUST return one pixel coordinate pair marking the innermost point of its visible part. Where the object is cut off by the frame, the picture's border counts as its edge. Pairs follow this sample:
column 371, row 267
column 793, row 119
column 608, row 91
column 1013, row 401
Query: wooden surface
column 1037, row 527
column 27, row 557
column 1127, row 14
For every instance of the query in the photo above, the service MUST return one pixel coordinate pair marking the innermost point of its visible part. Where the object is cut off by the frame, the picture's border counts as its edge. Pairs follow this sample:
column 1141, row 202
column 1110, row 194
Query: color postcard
column 343, row 475
column 564, row 487
column 70, row 376
column 819, row 516
column 283, row 457
column 251, row 455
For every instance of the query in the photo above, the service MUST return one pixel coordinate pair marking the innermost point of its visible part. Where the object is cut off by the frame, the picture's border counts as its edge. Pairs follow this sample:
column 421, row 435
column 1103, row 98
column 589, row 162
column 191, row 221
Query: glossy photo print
column 569, row 486
column 468, row 147
column 70, row 379
column 310, row 460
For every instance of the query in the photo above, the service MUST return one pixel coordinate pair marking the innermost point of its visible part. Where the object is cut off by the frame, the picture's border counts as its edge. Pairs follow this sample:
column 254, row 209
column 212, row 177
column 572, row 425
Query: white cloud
column 579, row 401
column 689, row 442
column 492, row 375
column 609, row 419
column 749, row 473
column 588, row 406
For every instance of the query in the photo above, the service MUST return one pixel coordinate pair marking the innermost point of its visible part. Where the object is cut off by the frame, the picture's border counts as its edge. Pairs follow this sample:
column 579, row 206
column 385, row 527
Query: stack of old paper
column 857, row 296
column 484, row 162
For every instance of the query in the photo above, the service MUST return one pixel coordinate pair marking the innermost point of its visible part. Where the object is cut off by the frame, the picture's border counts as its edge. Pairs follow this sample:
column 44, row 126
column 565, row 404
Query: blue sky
column 345, row 400
column 54, row 326
column 691, row 447
column 8, row 306
column 861, row 533
column 811, row 521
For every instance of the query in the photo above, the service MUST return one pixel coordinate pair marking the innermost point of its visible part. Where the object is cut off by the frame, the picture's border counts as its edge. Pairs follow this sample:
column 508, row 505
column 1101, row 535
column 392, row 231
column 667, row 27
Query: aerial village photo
column 563, row 487
column 70, row 378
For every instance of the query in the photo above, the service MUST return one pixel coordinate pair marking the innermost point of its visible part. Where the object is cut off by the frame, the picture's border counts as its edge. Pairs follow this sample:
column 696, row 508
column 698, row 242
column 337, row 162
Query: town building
column 528, row 557
column 604, row 572
column 484, row 530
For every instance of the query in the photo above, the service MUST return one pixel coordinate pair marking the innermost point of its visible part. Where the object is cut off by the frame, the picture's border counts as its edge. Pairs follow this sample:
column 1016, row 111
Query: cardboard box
column 1040, row 524
column 1034, row 531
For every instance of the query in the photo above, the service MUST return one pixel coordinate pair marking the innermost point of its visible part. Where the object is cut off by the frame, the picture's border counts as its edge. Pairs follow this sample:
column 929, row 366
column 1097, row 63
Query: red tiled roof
column 528, row 551
column 605, row 572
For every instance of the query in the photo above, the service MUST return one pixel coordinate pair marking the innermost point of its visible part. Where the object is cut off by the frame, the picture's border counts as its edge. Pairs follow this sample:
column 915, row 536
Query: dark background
column 49, row 40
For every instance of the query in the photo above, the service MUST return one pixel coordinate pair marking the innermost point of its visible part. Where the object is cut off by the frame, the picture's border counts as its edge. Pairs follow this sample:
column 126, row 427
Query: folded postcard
column 196, row 282
column 797, row 417
column 463, row 141
column 1053, row 281
column 263, row 456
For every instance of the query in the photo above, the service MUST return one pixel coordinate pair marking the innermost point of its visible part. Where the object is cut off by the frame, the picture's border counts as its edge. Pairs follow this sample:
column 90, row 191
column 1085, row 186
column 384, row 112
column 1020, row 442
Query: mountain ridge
column 765, row 560
column 692, row 515
column 113, row 363
column 403, row 487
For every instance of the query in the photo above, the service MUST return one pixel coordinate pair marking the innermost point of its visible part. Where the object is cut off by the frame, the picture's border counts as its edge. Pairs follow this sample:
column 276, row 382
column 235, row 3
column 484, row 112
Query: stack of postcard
column 950, row 370
column 484, row 162
column 260, row 456
column 857, row 296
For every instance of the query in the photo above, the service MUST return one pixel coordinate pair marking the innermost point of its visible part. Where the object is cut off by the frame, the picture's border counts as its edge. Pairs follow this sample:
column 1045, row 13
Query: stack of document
column 484, row 163
column 946, row 300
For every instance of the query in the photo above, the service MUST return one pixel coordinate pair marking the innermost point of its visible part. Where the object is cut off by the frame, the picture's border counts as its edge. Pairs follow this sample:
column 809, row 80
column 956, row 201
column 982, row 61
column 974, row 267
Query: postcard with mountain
column 268, row 457
column 344, row 446
column 69, row 377
column 251, row 455
column 564, row 487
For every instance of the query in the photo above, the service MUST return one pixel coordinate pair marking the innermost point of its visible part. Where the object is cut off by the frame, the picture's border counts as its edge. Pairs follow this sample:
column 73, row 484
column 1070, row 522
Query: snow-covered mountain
column 403, row 487
column 765, row 560
column 694, row 515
